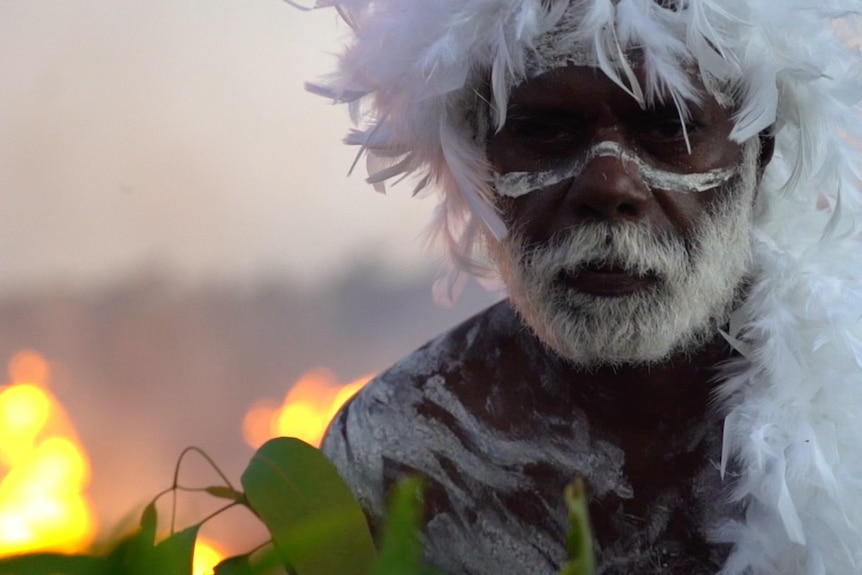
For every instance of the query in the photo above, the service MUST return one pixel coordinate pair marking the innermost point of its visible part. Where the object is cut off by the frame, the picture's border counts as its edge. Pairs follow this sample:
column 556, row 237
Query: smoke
column 178, row 235
column 145, row 369
column 178, row 135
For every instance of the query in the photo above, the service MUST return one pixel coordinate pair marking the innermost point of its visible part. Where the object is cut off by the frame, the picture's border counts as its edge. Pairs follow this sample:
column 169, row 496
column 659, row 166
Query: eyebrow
column 520, row 111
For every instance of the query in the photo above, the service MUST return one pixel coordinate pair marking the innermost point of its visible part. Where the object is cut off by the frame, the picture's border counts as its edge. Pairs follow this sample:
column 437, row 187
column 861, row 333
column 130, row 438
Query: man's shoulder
column 458, row 359
column 472, row 345
column 408, row 413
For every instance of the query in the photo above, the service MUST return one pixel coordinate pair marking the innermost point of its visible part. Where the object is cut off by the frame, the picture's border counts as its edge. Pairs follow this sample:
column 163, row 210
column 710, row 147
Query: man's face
column 625, row 247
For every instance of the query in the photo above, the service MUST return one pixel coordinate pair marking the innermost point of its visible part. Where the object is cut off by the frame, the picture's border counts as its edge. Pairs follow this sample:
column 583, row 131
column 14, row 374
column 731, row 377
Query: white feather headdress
column 415, row 72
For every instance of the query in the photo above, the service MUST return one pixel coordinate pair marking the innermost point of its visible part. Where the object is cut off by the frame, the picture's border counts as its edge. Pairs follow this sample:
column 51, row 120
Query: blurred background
column 180, row 248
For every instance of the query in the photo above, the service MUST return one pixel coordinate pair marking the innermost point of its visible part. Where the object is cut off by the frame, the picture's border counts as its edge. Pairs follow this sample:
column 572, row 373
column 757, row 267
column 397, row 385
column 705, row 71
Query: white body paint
column 550, row 55
column 421, row 417
column 517, row 184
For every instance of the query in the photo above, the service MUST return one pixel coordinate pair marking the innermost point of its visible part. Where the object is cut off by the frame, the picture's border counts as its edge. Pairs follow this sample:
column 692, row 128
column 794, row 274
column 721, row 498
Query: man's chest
column 495, row 504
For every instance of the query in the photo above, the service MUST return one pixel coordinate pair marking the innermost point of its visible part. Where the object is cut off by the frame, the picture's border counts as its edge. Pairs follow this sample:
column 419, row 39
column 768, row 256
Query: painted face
column 626, row 245
column 517, row 184
column 577, row 147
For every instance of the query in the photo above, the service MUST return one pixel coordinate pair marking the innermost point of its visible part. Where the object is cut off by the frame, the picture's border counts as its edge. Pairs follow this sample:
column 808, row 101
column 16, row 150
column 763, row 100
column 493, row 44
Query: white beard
column 698, row 281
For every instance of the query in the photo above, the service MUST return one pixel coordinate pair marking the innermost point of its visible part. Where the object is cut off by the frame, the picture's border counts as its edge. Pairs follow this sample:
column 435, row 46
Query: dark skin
column 551, row 119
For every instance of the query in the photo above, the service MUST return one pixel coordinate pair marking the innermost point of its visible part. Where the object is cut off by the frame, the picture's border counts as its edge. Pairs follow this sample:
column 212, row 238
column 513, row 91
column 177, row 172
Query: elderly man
column 667, row 191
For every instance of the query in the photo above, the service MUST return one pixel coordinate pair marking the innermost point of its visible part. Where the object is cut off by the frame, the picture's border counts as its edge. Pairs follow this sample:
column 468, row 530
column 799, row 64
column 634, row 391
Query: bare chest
column 496, row 499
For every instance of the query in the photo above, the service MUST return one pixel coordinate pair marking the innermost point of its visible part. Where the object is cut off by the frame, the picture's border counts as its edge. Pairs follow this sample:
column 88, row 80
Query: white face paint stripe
column 516, row 184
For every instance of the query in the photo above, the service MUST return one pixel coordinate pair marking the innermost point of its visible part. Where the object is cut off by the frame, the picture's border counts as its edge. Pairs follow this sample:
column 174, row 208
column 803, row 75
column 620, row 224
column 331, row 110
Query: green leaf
column 172, row 556
column 401, row 552
column 579, row 542
column 53, row 564
column 149, row 522
column 225, row 492
column 239, row 565
column 132, row 554
column 263, row 563
column 316, row 524
column 175, row 555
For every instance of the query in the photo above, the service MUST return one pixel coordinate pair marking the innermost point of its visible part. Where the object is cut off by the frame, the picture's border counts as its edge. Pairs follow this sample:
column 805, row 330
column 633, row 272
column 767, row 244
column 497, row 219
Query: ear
column 767, row 147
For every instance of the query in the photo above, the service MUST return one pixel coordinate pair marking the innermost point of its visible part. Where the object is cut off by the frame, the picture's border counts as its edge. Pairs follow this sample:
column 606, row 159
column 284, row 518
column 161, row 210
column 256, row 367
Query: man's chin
column 593, row 331
column 644, row 352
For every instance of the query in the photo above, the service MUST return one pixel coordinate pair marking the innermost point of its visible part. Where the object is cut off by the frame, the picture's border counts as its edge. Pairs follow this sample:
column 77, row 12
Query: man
column 664, row 189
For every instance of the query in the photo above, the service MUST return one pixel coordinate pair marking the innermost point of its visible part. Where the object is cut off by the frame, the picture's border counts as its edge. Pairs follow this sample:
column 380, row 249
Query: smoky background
column 179, row 239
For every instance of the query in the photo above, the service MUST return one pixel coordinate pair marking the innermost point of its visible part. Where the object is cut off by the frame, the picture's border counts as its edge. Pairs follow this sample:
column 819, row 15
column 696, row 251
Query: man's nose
column 608, row 189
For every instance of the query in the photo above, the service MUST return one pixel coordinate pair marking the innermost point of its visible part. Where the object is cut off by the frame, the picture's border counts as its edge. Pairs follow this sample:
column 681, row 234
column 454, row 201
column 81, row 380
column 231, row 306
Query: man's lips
column 603, row 280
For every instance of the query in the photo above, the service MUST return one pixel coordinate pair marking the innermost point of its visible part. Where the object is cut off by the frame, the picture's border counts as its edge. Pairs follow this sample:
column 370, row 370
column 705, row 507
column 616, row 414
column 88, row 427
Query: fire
column 45, row 470
column 307, row 409
column 207, row 556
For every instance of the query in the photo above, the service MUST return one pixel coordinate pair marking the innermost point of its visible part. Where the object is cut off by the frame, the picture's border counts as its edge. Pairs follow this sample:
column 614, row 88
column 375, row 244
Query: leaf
column 248, row 564
column 149, row 521
column 401, row 552
column 53, row 564
column 172, row 556
column 239, row 565
column 132, row 554
column 225, row 492
column 317, row 526
column 579, row 542
column 175, row 555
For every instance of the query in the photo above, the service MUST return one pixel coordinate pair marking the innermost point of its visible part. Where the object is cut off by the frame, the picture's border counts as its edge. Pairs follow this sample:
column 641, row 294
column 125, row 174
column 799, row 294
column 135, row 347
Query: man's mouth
column 606, row 280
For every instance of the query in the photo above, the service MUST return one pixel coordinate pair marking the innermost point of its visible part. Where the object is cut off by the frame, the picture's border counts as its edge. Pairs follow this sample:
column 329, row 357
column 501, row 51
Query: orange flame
column 45, row 470
column 207, row 556
column 307, row 409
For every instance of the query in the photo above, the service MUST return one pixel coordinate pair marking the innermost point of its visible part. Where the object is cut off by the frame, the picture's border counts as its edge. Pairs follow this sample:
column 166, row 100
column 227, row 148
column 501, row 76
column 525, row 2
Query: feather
column 741, row 347
column 378, row 138
column 822, row 466
column 379, row 172
column 786, row 508
column 299, row 6
column 553, row 15
column 759, row 104
column 632, row 87
column 703, row 39
column 499, row 83
column 337, row 96
column 448, row 288
column 597, row 30
column 726, row 443
column 855, row 345
column 831, row 228
column 421, row 185
column 467, row 179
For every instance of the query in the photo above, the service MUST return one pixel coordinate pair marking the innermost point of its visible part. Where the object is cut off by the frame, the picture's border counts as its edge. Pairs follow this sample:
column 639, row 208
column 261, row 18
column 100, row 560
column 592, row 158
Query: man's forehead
column 550, row 87
column 567, row 44
column 560, row 46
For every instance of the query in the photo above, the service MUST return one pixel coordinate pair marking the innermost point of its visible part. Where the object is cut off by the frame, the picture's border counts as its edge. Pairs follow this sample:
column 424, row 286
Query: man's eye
column 544, row 132
column 670, row 129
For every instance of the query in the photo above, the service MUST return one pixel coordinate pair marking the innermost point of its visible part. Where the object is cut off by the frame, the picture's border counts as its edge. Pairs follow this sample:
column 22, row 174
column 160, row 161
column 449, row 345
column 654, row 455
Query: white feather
column 787, row 510
column 469, row 179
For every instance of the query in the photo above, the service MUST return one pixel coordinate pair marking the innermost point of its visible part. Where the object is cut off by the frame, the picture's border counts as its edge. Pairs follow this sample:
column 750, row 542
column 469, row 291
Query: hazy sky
column 176, row 134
